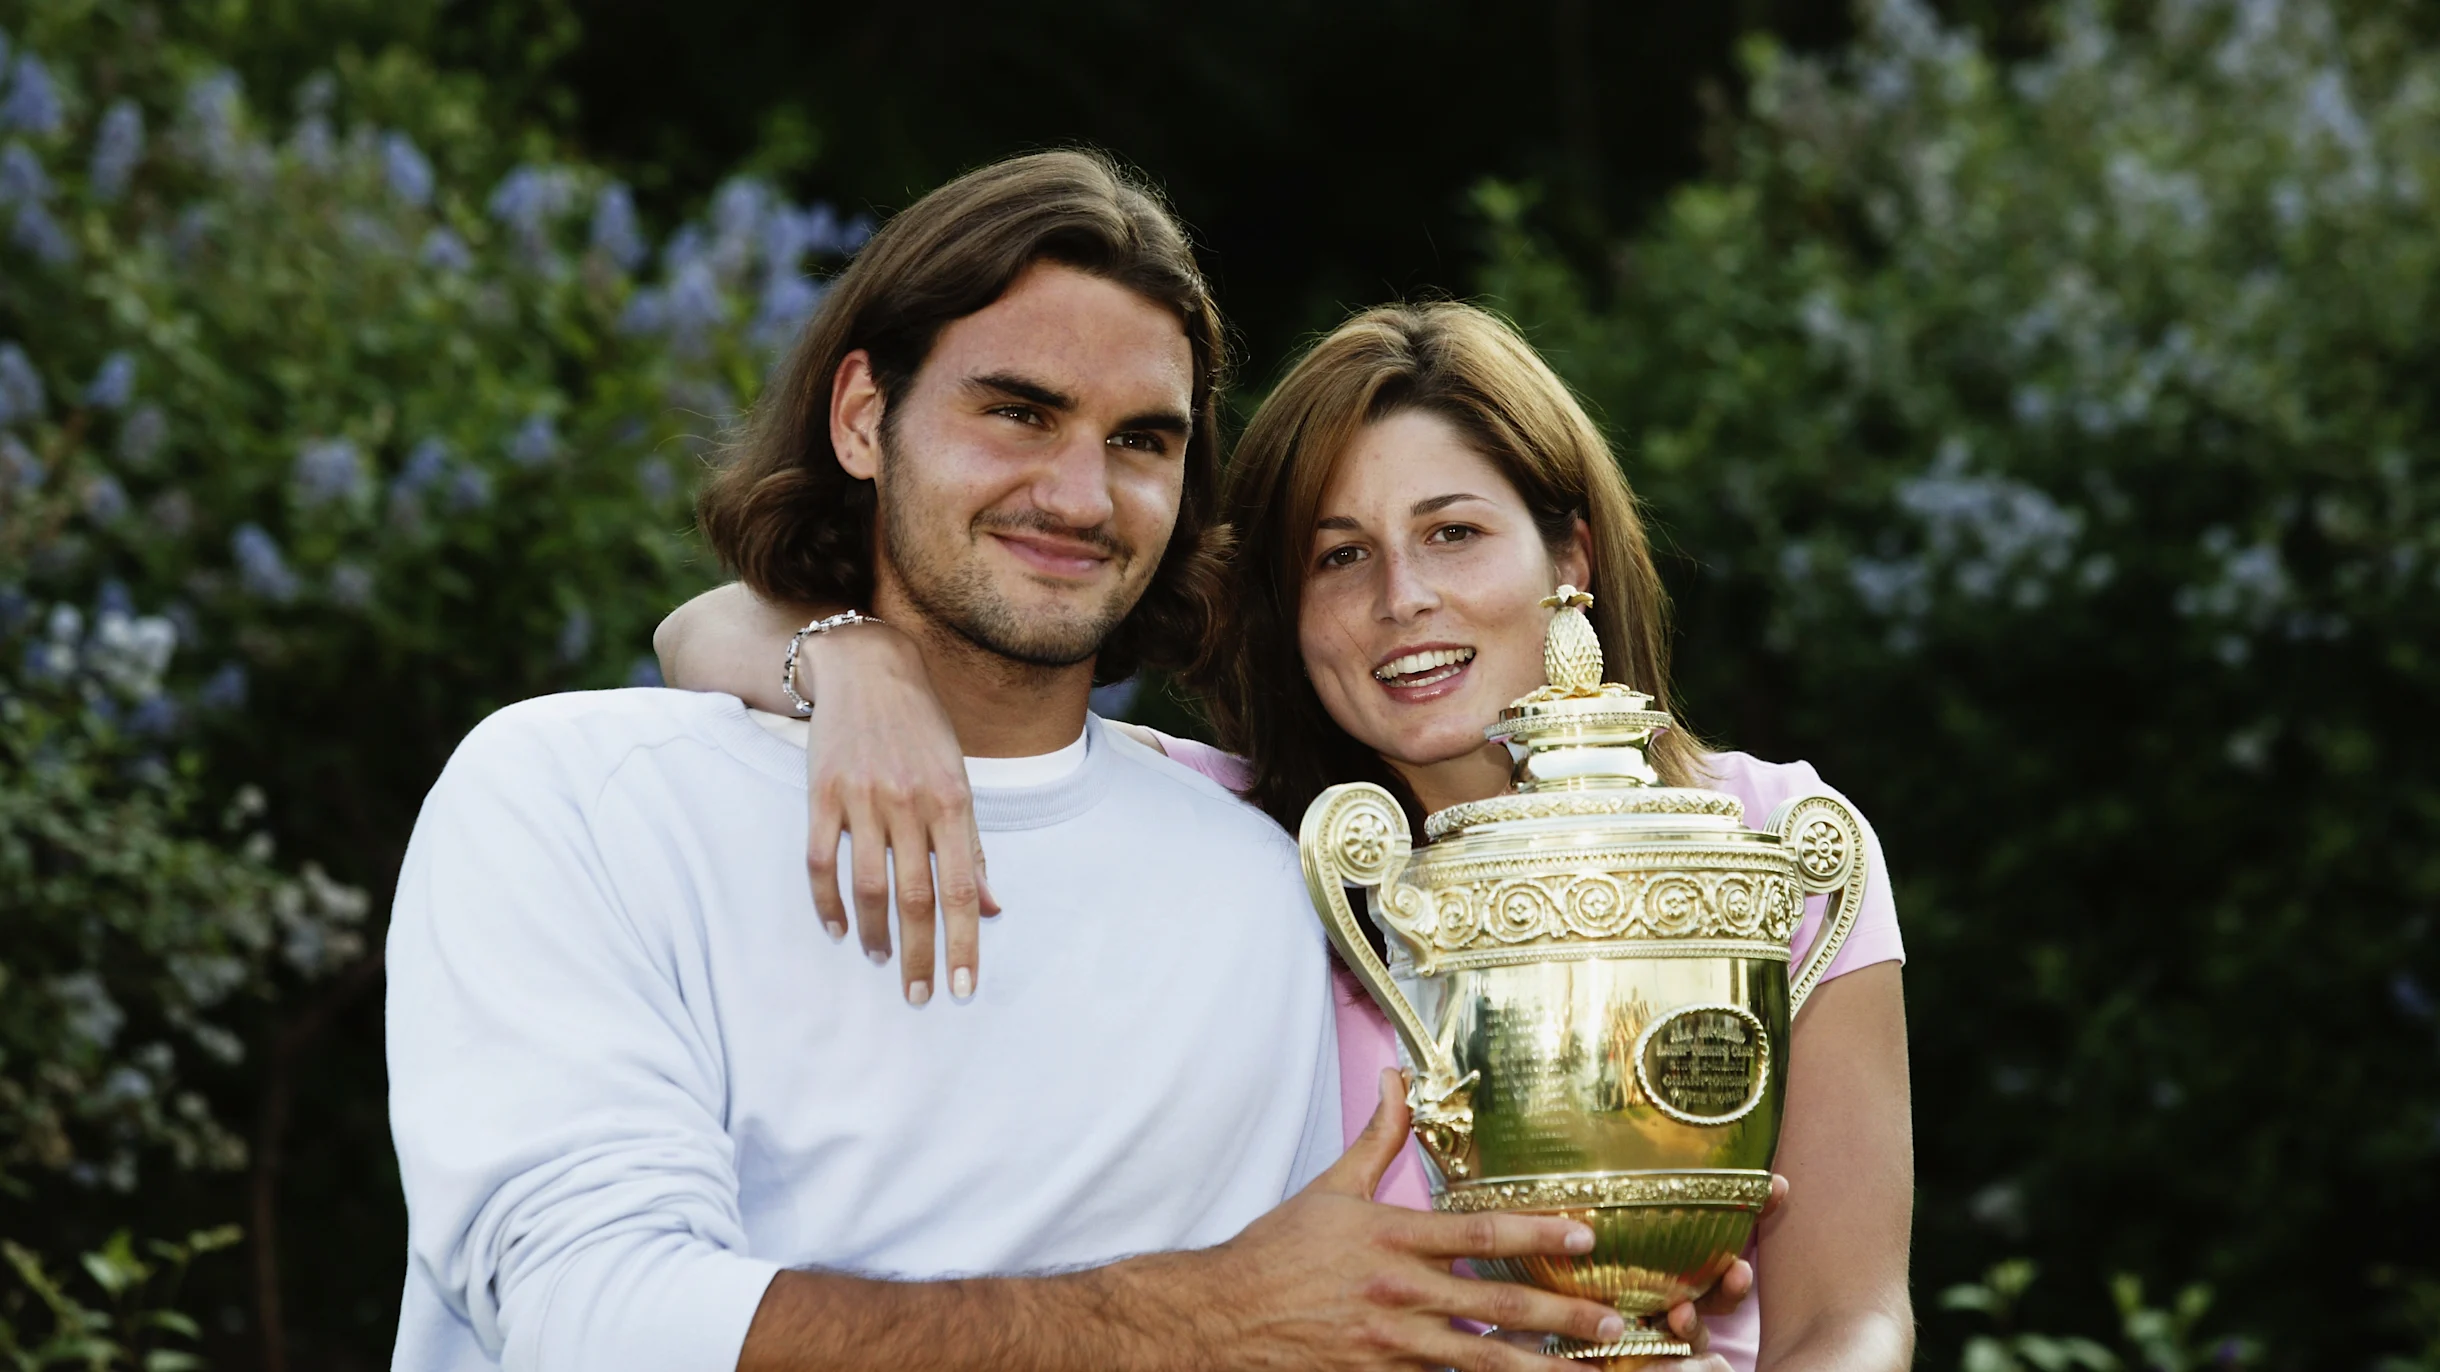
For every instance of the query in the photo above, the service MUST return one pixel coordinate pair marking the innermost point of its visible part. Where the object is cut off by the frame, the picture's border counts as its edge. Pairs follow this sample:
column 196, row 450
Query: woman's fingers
column 868, row 879
column 822, row 869
column 1725, row 1295
column 955, row 856
column 911, row 859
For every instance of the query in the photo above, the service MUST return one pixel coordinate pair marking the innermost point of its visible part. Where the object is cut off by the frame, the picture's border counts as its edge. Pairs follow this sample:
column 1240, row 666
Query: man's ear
column 855, row 416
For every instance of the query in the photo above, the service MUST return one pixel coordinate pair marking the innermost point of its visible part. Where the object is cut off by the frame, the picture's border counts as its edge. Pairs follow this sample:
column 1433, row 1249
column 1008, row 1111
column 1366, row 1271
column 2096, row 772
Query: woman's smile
column 1424, row 673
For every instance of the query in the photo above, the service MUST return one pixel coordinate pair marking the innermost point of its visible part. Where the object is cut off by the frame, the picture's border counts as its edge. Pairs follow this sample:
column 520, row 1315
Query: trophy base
column 1642, row 1344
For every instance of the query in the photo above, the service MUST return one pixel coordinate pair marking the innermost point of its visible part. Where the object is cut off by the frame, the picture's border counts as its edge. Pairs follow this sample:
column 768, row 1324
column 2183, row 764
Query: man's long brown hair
column 788, row 520
column 1469, row 368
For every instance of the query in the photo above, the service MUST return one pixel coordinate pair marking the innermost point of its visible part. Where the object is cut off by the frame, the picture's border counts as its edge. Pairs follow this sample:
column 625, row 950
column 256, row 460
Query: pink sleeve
column 1226, row 768
column 1762, row 786
column 1366, row 1045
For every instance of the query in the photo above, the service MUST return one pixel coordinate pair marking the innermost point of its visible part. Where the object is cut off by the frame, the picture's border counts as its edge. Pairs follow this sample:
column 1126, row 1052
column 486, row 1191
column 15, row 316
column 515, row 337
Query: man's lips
column 1059, row 557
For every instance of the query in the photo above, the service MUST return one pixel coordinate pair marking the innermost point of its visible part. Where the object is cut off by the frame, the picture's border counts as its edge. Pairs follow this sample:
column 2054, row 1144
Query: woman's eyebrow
column 1435, row 504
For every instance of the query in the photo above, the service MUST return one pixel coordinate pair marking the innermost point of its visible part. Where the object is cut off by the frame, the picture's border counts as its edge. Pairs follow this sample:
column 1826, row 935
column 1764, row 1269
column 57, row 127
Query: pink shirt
column 1367, row 1043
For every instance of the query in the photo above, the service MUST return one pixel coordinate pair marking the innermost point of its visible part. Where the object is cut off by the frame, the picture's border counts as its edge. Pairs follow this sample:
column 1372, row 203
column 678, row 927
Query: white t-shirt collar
column 992, row 773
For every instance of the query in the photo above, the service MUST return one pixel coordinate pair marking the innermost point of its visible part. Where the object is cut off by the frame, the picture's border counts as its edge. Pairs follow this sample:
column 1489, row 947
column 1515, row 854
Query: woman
column 1404, row 499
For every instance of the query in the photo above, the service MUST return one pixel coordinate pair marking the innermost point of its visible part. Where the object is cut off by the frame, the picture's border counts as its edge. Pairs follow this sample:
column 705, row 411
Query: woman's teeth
column 1425, row 668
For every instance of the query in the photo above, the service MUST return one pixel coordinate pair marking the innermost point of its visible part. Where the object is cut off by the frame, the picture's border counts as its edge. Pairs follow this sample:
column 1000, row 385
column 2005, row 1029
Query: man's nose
column 1073, row 485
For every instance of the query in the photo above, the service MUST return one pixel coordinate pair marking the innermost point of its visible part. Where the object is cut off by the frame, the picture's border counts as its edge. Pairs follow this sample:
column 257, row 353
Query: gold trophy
column 1591, row 979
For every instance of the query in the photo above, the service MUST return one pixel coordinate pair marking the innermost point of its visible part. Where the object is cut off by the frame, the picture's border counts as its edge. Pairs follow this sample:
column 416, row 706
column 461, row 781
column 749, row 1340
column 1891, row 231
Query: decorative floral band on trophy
column 1591, row 980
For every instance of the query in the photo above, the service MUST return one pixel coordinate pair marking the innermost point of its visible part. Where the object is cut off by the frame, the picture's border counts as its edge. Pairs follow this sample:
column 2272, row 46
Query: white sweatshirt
column 631, row 1077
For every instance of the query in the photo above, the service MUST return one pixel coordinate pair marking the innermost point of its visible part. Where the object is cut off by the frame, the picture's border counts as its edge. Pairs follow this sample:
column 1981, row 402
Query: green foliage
column 140, row 1317
column 131, row 932
column 328, row 424
column 2156, row 1340
column 2052, row 456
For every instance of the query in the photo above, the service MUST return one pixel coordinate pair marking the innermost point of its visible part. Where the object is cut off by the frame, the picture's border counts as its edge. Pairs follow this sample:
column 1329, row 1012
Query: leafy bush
column 2053, row 453
column 324, row 430
column 142, row 1314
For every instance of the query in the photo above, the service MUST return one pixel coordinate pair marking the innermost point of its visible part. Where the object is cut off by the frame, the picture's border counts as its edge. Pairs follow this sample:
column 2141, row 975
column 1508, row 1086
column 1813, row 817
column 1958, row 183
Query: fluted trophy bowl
column 1591, row 980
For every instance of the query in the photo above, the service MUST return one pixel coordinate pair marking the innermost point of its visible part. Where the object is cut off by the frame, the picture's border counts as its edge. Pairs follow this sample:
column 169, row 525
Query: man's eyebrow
column 1052, row 398
column 1021, row 388
column 1436, row 504
column 1157, row 421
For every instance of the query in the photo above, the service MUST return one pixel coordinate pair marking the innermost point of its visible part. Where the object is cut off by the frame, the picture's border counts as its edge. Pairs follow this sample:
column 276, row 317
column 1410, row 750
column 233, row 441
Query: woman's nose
column 1406, row 592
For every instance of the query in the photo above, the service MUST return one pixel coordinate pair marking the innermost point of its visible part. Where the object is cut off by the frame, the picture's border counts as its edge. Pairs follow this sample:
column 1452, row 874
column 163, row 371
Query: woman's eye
column 1345, row 555
column 1453, row 533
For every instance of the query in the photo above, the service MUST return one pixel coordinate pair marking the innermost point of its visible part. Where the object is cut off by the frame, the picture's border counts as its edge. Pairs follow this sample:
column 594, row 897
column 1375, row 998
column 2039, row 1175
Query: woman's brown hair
column 1469, row 368
column 795, row 527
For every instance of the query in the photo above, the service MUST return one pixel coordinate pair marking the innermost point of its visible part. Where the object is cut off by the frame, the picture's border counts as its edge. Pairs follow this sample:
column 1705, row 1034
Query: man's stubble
column 943, row 574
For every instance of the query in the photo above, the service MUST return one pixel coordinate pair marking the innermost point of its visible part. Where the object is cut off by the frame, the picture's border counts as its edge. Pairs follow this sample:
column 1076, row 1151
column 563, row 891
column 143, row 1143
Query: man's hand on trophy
column 1334, row 1280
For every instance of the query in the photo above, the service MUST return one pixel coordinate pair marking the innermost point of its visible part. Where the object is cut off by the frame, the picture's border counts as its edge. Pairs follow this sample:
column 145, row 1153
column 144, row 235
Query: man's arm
column 1329, row 1280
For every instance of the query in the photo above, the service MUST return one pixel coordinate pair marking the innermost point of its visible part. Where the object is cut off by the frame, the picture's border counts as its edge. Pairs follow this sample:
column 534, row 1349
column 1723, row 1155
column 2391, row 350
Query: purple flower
column 224, row 689
column 791, row 233
column 156, row 717
column 536, row 441
column 140, row 438
column 311, row 143
column 260, row 568
column 644, row 672
column 858, row 231
column 105, row 500
column 21, row 393
column 329, row 471
column 22, row 179
column 211, row 120
column 446, row 251
column 530, row 200
column 115, row 384
column 33, row 102
column 408, row 171
column 469, row 488
column 40, row 236
column 117, row 146
column 351, row 585
column 654, row 479
column 695, row 307
column 426, row 464
column 787, row 301
column 615, row 233
column 19, row 468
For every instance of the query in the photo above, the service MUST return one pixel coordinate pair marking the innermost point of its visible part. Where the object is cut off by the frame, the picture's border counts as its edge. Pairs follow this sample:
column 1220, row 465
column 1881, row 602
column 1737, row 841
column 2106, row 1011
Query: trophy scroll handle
column 1356, row 835
column 1833, row 856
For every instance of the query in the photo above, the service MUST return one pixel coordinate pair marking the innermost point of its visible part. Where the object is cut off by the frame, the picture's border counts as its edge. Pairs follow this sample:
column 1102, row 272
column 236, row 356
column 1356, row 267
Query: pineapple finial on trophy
column 1571, row 651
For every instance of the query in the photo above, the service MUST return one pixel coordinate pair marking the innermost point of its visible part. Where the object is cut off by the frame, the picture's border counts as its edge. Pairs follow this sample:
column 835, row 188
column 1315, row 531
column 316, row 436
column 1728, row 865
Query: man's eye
column 1140, row 442
column 1023, row 414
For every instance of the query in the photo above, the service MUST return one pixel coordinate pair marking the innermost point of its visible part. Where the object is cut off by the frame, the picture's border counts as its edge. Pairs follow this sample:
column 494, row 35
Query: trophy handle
column 1356, row 835
column 1829, row 840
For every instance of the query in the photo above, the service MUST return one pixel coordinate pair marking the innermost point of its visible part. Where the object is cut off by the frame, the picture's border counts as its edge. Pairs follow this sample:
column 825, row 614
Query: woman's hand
column 883, row 770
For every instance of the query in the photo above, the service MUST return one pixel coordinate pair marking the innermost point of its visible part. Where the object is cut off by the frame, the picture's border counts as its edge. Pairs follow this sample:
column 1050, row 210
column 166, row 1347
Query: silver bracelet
column 787, row 674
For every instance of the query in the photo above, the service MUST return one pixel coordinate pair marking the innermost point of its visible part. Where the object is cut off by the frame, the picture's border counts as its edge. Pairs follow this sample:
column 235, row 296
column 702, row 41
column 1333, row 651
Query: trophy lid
column 1581, row 744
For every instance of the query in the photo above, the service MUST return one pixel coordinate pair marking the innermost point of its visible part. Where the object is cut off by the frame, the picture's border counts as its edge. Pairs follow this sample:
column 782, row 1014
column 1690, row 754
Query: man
column 645, row 1120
